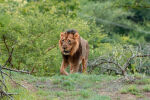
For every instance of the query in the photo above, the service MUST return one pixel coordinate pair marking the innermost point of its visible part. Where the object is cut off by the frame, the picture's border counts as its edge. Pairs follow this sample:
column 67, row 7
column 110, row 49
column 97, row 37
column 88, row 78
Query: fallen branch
column 22, row 71
column 4, row 93
column 131, row 58
column 14, row 80
column 123, row 68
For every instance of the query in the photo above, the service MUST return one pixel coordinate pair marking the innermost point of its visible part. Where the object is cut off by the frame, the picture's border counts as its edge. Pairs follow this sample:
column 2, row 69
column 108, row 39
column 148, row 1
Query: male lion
column 74, row 51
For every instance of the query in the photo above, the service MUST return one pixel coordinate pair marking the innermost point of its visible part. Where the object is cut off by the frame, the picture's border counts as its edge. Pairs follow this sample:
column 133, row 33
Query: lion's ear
column 61, row 34
column 76, row 35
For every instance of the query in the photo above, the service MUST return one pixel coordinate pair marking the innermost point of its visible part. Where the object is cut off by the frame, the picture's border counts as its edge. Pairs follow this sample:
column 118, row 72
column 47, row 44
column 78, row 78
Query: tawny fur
column 74, row 51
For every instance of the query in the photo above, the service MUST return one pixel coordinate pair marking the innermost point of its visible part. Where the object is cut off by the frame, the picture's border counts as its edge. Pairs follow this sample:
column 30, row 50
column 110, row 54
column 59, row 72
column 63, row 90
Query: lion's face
column 68, row 43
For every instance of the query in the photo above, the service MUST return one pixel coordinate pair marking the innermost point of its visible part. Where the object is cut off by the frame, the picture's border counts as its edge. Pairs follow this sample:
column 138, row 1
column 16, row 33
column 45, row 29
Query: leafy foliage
column 31, row 30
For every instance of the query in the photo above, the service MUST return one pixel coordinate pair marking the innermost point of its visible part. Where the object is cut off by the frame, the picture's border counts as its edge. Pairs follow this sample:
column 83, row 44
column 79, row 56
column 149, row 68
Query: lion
column 74, row 50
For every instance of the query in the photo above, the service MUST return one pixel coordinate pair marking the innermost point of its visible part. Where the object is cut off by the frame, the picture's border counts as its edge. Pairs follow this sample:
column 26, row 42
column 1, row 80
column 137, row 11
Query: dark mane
column 72, row 31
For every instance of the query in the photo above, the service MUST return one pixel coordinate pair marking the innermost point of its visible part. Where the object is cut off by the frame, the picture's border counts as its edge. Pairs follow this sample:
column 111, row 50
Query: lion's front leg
column 74, row 68
column 62, row 68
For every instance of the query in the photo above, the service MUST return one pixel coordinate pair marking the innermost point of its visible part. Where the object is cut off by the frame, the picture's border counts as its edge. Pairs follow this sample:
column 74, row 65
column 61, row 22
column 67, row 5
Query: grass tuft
column 143, row 81
column 146, row 88
column 130, row 89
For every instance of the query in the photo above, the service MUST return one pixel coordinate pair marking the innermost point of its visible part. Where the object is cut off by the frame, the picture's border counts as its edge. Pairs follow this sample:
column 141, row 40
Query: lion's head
column 69, row 42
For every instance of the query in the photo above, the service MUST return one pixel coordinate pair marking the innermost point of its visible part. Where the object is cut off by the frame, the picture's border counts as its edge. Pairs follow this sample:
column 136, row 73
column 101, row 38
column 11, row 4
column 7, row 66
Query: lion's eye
column 69, row 41
column 62, row 40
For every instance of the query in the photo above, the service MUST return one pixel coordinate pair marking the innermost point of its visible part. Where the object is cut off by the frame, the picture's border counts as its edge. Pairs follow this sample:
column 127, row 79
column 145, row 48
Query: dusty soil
column 112, row 89
column 29, row 86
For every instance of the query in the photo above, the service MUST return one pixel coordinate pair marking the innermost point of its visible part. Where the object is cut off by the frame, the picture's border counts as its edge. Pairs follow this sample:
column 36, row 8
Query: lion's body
column 75, row 53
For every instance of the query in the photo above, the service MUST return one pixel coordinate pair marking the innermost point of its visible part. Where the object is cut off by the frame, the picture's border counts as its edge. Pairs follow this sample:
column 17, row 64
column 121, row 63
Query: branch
column 112, row 69
column 13, row 80
column 50, row 48
column 7, row 94
column 132, row 57
column 104, row 61
column 136, row 6
column 22, row 71
column 9, row 58
column 148, row 55
column 4, row 39
column 123, row 68
column 9, row 53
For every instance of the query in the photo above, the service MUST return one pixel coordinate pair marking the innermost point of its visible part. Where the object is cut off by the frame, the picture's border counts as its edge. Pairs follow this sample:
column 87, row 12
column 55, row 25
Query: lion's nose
column 64, row 47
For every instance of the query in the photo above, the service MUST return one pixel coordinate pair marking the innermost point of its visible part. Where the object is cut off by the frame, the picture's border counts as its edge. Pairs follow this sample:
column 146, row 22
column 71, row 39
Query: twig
column 32, row 70
column 14, row 80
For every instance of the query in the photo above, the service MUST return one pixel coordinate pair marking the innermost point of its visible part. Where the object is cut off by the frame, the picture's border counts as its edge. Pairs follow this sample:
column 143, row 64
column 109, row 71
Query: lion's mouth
column 66, row 52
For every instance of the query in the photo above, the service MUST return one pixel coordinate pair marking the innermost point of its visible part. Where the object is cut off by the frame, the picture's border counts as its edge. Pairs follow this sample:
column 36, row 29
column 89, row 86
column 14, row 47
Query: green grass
column 83, row 81
column 133, row 89
column 137, row 87
column 72, row 87
column 78, row 86
column 143, row 81
column 146, row 88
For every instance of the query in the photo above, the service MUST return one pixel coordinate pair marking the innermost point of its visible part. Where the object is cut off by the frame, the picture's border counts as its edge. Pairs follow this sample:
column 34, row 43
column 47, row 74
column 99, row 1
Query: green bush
column 34, row 27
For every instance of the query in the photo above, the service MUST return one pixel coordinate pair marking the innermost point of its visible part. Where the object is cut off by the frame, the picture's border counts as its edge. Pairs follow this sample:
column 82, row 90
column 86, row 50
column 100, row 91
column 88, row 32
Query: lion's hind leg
column 84, row 65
